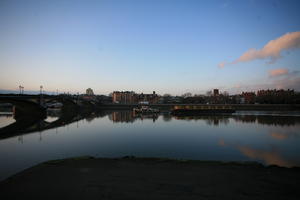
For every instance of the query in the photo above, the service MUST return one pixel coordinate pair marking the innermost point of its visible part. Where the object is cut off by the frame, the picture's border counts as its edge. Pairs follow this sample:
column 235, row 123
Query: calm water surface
column 268, row 138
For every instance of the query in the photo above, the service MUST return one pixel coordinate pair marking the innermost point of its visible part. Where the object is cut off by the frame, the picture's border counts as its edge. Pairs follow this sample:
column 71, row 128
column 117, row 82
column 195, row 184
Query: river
column 270, row 138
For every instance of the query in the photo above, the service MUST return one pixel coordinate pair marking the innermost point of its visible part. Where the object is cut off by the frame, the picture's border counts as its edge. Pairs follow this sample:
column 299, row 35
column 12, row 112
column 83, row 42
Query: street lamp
column 21, row 88
column 41, row 96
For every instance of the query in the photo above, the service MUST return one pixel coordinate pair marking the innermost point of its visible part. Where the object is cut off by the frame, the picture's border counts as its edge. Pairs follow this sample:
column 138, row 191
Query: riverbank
column 238, row 107
column 151, row 178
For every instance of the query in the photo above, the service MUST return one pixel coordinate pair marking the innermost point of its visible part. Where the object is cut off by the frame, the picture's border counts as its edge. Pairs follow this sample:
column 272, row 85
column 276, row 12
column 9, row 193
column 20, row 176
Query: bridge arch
column 25, row 108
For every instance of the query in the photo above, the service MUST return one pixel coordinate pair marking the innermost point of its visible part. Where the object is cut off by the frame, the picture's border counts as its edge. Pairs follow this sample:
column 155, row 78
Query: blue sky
column 167, row 46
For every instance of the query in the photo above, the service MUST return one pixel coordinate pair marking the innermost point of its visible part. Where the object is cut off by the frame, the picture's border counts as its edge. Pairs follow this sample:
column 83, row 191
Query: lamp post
column 77, row 98
column 41, row 95
column 21, row 88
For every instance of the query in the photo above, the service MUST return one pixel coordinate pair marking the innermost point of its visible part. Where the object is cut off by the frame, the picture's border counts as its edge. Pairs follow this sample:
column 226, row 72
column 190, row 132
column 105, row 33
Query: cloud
column 278, row 72
column 272, row 50
column 279, row 79
column 222, row 64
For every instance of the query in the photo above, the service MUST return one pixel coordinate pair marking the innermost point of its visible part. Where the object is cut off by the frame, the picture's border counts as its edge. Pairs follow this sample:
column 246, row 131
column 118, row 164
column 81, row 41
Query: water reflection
column 284, row 135
column 6, row 119
column 215, row 120
column 257, row 119
column 55, row 118
column 166, row 117
column 125, row 116
column 268, row 119
column 53, row 112
column 52, row 115
column 130, row 117
column 107, row 133
column 271, row 155
column 212, row 120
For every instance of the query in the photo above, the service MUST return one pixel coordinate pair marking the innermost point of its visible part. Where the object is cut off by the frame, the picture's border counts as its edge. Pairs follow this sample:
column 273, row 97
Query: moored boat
column 200, row 110
column 145, row 109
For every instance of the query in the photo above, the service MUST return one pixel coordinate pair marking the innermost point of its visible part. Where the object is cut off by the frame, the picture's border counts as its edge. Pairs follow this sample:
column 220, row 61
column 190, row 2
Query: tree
column 225, row 93
column 166, row 98
column 185, row 95
column 209, row 93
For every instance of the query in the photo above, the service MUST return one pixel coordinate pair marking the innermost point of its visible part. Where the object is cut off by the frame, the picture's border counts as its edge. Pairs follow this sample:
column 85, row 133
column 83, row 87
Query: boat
column 201, row 110
column 145, row 109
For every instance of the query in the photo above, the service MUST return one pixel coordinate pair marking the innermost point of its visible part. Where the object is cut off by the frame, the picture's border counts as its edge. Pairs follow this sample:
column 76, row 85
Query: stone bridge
column 33, row 106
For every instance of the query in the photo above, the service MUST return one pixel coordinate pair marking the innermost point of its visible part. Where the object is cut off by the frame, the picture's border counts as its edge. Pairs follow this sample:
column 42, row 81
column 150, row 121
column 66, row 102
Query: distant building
column 216, row 92
column 242, row 100
column 249, row 97
column 275, row 96
column 127, row 97
column 123, row 97
column 151, row 98
column 89, row 92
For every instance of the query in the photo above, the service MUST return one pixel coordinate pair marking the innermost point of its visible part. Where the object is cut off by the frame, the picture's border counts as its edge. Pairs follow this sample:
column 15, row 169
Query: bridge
column 33, row 106
column 30, row 113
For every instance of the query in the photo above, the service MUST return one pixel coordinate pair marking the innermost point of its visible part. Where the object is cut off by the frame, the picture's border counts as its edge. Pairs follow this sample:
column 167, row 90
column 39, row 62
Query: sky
column 167, row 46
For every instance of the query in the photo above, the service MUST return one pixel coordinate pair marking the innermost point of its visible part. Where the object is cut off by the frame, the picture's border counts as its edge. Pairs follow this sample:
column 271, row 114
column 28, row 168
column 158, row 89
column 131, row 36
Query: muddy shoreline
column 151, row 178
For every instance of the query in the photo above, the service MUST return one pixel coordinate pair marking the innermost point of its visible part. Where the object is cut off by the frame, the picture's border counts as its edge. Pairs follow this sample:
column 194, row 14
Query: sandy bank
column 140, row 178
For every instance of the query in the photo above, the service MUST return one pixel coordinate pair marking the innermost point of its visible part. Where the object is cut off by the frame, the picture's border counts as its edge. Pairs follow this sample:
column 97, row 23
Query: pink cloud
column 279, row 80
column 278, row 72
column 272, row 50
column 222, row 64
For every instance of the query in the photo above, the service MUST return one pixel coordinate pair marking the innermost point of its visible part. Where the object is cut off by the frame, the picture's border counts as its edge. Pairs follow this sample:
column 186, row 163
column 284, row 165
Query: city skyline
column 164, row 46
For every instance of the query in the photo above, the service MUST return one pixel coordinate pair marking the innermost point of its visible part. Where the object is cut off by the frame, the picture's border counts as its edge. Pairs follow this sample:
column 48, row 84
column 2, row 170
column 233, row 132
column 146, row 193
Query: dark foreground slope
column 137, row 178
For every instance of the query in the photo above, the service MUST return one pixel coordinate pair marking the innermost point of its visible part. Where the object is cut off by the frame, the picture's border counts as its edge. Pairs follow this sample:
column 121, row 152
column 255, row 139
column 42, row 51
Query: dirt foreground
column 151, row 178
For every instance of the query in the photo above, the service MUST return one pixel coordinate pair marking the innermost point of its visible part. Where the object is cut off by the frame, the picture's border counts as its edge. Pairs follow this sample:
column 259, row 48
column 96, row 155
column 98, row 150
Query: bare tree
column 185, row 95
column 209, row 93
